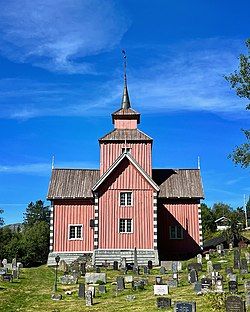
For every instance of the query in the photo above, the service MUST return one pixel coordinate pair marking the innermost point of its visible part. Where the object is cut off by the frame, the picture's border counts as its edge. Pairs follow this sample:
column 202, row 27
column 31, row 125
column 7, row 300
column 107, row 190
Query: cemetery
column 216, row 281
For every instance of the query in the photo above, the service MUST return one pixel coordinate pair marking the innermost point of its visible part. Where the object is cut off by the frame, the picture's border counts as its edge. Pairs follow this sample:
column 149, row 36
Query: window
column 126, row 199
column 125, row 226
column 75, row 231
column 126, row 150
column 175, row 232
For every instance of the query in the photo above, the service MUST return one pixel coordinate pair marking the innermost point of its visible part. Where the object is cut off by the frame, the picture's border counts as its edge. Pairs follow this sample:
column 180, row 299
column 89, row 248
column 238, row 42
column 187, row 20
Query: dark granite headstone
column 185, row 307
column 243, row 266
column 115, row 265
column 146, row 270
column 102, row 289
column 194, row 266
column 150, row 265
column 206, row 283
column 120, row 283
column 229, row 270
column 83, row 268
column 235, row 304
column 197, row 287
column 217, row 267
column 193, row 276
column 163, row 302
column 233, row 286
column 158, row 280
column 89, row 298
column 236, row 259
column 7, row 278
column 97, row 270
column 172, row 283
column 81, row 290
column 162, row 270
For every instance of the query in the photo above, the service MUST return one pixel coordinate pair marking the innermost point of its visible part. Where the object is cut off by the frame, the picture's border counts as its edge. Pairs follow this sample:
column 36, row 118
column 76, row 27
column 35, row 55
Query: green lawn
column 32, row 292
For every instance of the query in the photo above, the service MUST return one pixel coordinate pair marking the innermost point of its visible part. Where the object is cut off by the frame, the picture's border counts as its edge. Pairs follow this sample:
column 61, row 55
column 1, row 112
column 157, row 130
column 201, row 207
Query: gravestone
column 207, row 256
column 233, row 286
column 146, row 270
column 185, row 307
column 163, row 303
column 123, row 263
column 63, row 266
column 150, row 265
column 194, row 266
column 175, row 276
column 136, row 270
column 120, row 283
column 92, row 278
column 15, row 273
column 56, row 297
column 135, row 258
column 7, row 278
column 231, row 246
column 233, row 277
column 92, row 289
column 102, row 289
column 4, row 262
column 235, row 304
column 199, row 258
column 167, row 265
column 97, row 270
column 3, row 271
column 19, row 265
column 229, row 270
column 197, row 288
column 130, row 297
column 158, row 280
column 83, row 268
column 175, row 266
column 243, row 266
column 193, row 276
column 209, row 267
column 172, row 283
column 138, row 285
column 236, row 259
column 81, row 290
column 162, row 270
column 115, row 265
column 128, row 278
column 219, row 249
column 69, row 279
column 219, row 286
column 247, row 256
column 206, row 283
column 248, row 299
column 89, row 298
column 247, row 286
column 217, row 266
column 161, row 290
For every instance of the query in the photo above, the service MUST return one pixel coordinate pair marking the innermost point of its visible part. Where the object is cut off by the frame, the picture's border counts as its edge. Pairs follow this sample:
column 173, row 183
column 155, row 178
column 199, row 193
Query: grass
column 32, row 292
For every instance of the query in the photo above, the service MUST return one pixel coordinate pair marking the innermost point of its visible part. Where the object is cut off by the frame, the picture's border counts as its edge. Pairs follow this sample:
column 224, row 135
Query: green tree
column 1, row 219
column 36, row 212
column 208, row 225
column 248, row 211
column 221, row 210
column 240, row 82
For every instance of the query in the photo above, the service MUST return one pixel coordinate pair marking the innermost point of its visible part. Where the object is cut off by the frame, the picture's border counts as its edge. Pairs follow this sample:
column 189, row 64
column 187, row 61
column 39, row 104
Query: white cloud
column 56, row 34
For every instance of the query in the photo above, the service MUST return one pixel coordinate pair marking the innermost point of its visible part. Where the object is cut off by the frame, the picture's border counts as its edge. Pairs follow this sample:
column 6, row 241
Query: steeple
column 125, row 96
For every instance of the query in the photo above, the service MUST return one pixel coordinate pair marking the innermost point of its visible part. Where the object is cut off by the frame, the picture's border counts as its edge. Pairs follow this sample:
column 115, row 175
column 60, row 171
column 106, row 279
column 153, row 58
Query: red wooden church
column 125, row 204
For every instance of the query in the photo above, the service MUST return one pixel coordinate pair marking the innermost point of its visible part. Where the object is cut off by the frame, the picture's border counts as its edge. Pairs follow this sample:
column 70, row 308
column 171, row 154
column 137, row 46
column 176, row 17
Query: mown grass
column 32, row 292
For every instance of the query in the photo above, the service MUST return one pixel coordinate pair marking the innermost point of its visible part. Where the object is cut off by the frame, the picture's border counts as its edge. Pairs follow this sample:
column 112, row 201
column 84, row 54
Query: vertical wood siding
column 125, row 124
column 73, row 212
column 180, row 213
column 126, row 178
column 141, row 152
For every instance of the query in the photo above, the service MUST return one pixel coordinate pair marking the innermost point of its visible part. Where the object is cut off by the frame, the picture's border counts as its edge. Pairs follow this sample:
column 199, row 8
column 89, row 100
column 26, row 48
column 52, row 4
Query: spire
column 125, row 96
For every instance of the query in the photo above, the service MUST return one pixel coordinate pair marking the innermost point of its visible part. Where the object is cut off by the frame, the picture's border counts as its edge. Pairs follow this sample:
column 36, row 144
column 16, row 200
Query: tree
column 240, row 82
column 208, row 224
column 221, row 210
column 35, row 213
column 1, row 219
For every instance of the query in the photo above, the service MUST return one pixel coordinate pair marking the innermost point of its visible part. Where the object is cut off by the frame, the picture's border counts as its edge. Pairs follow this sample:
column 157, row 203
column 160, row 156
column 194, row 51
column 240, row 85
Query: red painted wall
column 141, row 152
column 125, row 124
column 73, row 212
column 126, row 177
column 178, row 212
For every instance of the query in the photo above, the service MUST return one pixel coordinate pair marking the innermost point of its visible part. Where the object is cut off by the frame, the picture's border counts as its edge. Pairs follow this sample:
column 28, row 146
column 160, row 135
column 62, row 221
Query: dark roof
column 78, row 183
column 126, row 134
column 125, row 111
column 178, row 183
column 72, row 183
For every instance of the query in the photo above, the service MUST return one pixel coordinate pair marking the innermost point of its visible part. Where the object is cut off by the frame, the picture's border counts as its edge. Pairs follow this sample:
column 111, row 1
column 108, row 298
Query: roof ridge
column 85, row 169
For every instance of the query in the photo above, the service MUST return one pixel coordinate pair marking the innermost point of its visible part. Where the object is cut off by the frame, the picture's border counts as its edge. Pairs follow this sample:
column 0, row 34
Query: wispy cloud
column 44, row 168
column 58, row 34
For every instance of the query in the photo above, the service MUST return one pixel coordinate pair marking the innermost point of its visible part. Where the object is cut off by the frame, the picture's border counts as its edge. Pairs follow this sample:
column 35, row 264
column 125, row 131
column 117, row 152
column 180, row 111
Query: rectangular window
column 125, row 226
column 126, row 150
column 126, row 199
column 75, row 231
column 175, row 232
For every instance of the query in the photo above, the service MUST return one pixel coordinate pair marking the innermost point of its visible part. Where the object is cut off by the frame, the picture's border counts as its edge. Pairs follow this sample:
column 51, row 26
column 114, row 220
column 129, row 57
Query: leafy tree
column 248, row 211
column 5, row 238
column 36, row 212
column 1, row 219
column 240, row 81
column 221, row 210
column 208, row 225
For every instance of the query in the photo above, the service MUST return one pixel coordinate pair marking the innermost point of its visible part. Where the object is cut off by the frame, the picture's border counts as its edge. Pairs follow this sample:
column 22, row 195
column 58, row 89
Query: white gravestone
column 161, row 290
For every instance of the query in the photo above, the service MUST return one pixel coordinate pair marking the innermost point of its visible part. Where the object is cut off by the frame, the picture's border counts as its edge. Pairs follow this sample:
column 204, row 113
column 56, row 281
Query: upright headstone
column 158, row 280
column 197, row 288
column 92, row 278
column 219, row 286
column 199, row 258
column 81, row 290
column 135, row 258
column 209, row 267
column 236, row 259
column 123, row 263
column 63, row 266
column 146, row 270
column 120, row 283
column 161, row 290
column 231, row 246
column 233, row 287
column 193, row 276
column 128, row 278
column 195, row 266
column 206, row 283
column 150, row 265
column 4, row 262
column 102, row 289
column 162, row 270
column 83, row 268
column 115, row 265
column 89, row 298
column 217, row 266
column 243, row 266
column 229, row 270
column 163, row 303
column 92, row 289
column 181, row 306
column 235, row 304
column 207, row 256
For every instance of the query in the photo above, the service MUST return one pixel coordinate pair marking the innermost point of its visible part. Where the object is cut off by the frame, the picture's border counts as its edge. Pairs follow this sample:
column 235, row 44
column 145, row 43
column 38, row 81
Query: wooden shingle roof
column 78, row 183
column 179, row 183
column 126, row 134
column 72, row 183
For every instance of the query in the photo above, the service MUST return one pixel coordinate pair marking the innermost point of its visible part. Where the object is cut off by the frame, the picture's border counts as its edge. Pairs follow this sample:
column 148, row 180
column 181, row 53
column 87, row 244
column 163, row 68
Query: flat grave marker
column 185, row 307
column 163, row 303
column 235, row 304
column 161, row 290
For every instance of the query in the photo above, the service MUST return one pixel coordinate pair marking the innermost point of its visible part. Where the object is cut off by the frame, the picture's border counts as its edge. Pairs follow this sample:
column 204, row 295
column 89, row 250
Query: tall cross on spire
column 125, row 97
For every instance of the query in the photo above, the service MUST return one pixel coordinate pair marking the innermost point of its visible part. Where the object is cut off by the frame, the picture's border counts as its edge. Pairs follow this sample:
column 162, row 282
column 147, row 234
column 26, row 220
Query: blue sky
column 61, row 78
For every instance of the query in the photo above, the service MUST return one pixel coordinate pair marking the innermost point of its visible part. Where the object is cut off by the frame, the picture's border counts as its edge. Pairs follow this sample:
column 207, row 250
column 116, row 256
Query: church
column 125, row 204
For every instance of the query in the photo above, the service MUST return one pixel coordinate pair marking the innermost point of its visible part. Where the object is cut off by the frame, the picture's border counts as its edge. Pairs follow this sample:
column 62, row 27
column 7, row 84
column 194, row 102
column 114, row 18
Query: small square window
column 175, row 232
column 75, row 232
column 125, row 226
column 126, row 199
column 126, row 150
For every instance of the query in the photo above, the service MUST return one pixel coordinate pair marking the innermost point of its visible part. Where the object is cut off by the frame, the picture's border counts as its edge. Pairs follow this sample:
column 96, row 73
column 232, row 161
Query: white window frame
column 126, row 199
column 126, row 149
column 126, row 226
column 175, row 236
column 75, row 225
